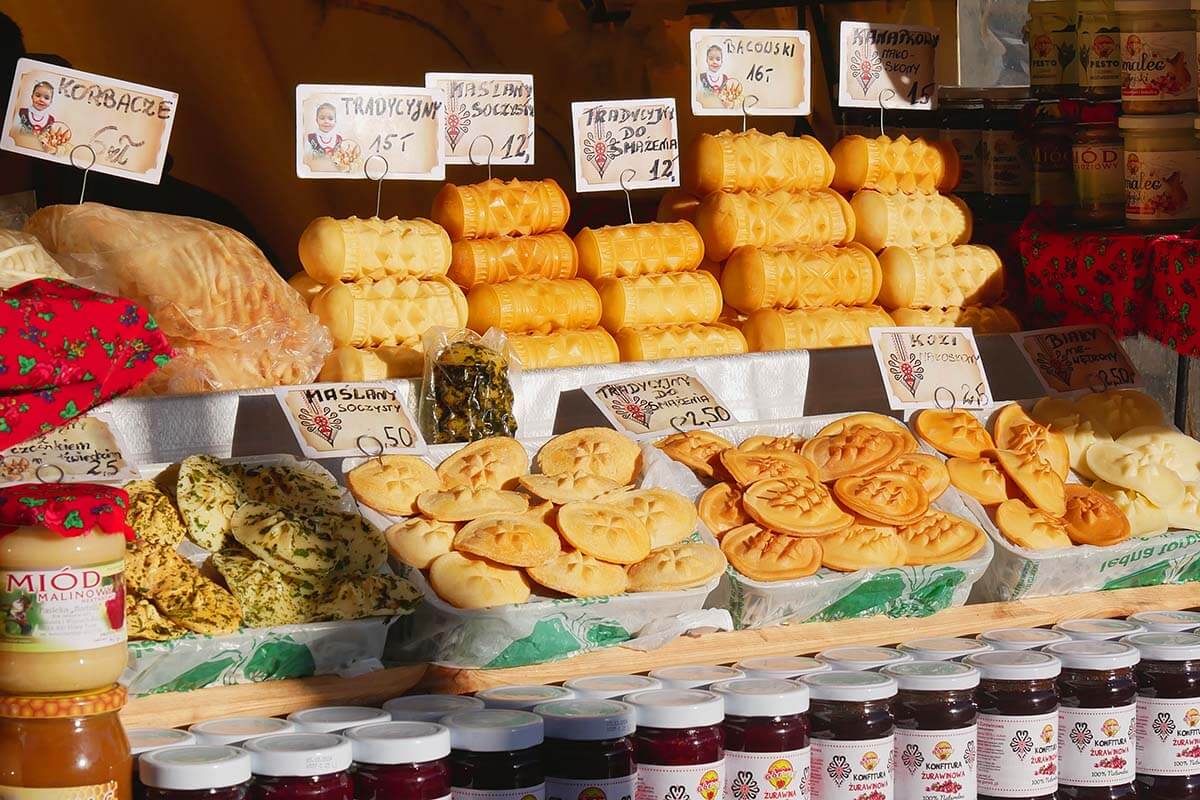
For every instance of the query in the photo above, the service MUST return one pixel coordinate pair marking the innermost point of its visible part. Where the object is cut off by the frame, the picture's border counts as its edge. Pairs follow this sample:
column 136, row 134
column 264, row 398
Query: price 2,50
column 704, row 417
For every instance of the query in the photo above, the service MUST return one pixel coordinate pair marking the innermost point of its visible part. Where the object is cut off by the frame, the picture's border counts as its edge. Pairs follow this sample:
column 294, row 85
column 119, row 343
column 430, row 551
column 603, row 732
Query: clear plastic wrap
column 466, row 391
column 22, row 258
column 233, row 320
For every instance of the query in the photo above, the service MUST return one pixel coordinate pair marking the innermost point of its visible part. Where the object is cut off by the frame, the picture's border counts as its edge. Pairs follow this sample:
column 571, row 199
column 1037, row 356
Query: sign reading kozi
column 892, row 65
column 613, row 137
column 487, row 106
column 764, row 72
column 931, row 368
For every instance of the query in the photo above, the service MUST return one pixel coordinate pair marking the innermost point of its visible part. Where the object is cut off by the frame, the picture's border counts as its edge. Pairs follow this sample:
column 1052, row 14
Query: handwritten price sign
column 84, row 450
column 340, row 420
column 653, row 404
column 615, row 136
column 931, row 368
column 767, row 69
column 1077, row 357
column 499, row 107
column 895, row 63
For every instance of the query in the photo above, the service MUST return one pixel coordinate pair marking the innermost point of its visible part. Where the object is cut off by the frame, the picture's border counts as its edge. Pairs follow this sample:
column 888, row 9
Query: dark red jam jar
column 195, row 772
column 589, row 749
column 429, row 707
column 1098, row 630
column 943, row 648
column 855, row 658
column 694, row 676
column 784, row 668
column 1167, row 621
column 1017, row 736
column 301, row 766
column 679, row 742
column 610, row 687
column 335, row 719
column 1021, row 638
column 935, row 729
column 766, row 737
column 522, row 698
column 400, row 759
column 1168, row 715
column 1097, row 717
column 497, row 754
column 147, row 740
column 853, row 735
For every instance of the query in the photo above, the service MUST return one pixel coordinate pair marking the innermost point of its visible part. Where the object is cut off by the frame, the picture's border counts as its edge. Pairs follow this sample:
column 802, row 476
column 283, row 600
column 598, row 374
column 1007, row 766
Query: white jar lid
column 1161, row 646
column 235, row 730
column 430, row 707
column 609, row 687
column 300, row 755
column 1157, row 122
column 1094, row 655
column 694, row 676
column 862, row 658
column 1097, row 630
column 522, row 698
column 334, row 719
column 781, row 667
column 943, row 648
column 762, row 697
column 1015, row 665
column 1022, row 638
column 587, row 720
column 1168, row 621
column 143, row 740
column 399, row 742
column 677, row 708
column 932, row 676
column 194, row 767
column 854, row 686
column 494, row 730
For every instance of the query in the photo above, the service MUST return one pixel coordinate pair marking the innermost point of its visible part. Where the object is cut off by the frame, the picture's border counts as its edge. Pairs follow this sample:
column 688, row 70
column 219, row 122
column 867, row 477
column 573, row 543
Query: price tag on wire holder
column 85, row 450
column 1077, row 357
column 931, row 368
column 650, row 406
column 337, row 420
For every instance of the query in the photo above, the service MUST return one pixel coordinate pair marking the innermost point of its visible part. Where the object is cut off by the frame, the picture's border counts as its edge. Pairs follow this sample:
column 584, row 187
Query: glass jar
column 1053, row 67
column 196, row 772
column 430, row 707
column 766, row 736
column 147, row 740
column 943, row 648
column 781, row 667
column 1162, row 181
column 935, row 729
column 301, row 766
column 1053, row 181
column 400, row 759
column 1167, row 621
column 589, row 749
column 497, row 754
column 961, row 124
column 335, row 719
column 693, row 677
column 1097, row 715
column 1022, row 638
column 861, row 659
column 235, row 730
column 1168, row 719
column 63, row 619
column 853, row 734
column 65, row 745
column 1098, row 43
column 1017, row 735
column 680, row 742
column 610, row 687
column 1097, row 630
column 522, row 698
column 1097, row 161
column 1158, row 56
column 1007, row 161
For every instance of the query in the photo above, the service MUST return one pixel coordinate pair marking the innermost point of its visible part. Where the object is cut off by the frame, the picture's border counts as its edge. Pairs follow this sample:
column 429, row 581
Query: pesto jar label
column 1162, row 185
column 1168, row 736
column 1052, row 50
column 1158, row 66
column 1099, row 40
column 1095, row 746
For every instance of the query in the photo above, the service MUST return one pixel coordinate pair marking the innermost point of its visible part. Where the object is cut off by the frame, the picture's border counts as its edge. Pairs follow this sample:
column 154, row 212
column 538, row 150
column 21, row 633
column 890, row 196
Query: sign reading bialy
column 931, row 368
column 889, row 66
column 761, row 72
column 1077, row 357
column 336, row 420
column 631, row 144
column 489, row 118
column 59, row 114
column 652, row 404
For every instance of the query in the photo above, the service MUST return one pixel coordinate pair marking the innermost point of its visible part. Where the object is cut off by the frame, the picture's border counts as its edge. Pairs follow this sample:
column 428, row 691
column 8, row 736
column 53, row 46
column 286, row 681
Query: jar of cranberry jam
column 430, row 707
column 522, row 698
column 335, row 719
column 862, row 658
column 1167, row 621
column 766, row 737
column 935, row 729
column 1096, row 719
column 853, row 735
column 195, row 772
column 301, row 766
column 694, row 676
column 784, row 668
column 610, row 687
column 1022, row 638
column 1168, row 719
column 497, row 755
column 589, row 749
column 679, row 742
column 400, row 759
column 1098, row 630
column 943, row 648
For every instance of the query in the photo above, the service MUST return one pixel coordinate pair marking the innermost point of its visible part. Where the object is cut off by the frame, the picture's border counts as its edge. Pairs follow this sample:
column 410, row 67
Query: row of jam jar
column 1142, row 52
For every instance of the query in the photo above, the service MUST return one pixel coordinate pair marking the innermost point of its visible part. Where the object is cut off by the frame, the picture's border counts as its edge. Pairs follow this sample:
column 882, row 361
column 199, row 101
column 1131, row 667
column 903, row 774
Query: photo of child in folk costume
column 35, row 125
column 326, row 150
column 716, row 89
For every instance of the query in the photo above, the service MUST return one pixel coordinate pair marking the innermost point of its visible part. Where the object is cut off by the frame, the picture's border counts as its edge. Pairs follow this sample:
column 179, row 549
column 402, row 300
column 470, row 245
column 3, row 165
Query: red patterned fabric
column 1174, row 314
column 69, row 509
column 64, row 350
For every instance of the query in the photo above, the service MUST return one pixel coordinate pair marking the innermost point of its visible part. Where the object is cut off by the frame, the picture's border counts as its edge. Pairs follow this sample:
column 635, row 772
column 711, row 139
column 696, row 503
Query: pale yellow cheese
column 306, row 286
column 674, row 297
column 728, row 220
column 620, row 251
column 690, row 340
column 388, row 312
column 930, row 277
column 983, row 319
column 533, row 305
column 755, row 161
column 545, row 255
column 496, row 208
column 909, row 220
column 373, row 249
column 676, row 205
column 564, row 348
column 813, row 328
column 374, row 364
column 799, row 277
column 895, row 165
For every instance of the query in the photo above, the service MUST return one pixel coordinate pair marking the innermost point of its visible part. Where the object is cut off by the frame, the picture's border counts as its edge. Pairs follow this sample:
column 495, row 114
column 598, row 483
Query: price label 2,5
column 650, row 405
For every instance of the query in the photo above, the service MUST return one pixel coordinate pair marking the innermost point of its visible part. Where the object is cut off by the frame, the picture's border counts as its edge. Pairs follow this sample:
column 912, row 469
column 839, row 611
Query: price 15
column 704, row 417
column 921, row 96
column 386, row 141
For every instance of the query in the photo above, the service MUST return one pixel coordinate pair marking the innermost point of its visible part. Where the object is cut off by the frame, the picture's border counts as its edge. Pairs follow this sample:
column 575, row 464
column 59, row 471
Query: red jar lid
column 69, row 509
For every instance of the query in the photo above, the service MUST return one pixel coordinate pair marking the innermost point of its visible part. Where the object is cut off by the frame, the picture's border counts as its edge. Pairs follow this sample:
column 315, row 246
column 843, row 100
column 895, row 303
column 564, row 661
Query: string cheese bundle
column 353, row 249
column 566, row 348
column 533, row 305
column 545, row 255
column 676, row 205
column 930, row 277
column 895, row 165
column 983, row 319
column 909, row 220
column 800, row 277
column 621, row 251
column 496, row 208
column 812, row 328
column 757, row 162
column 306, row 286
column 687, row 340
column 375, row 364
column 388, row 312
column 728, row 220
column 674, row 297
